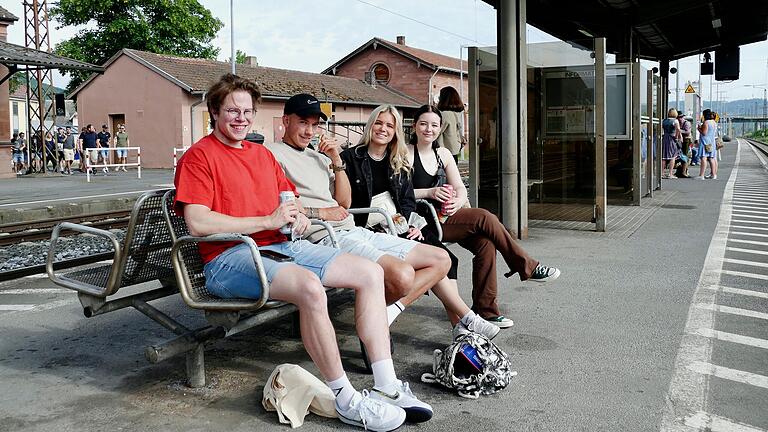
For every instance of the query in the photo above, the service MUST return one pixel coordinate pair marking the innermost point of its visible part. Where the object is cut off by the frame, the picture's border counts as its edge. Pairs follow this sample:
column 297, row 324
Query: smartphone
column 275, row 256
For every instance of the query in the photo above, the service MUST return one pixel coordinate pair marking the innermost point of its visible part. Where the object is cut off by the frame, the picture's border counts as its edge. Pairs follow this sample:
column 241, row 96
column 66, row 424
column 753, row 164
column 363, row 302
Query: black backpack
column 488, row 372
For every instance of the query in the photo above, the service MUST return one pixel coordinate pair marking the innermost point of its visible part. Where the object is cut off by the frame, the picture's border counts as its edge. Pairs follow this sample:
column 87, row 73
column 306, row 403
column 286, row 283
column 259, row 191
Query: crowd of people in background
column 60, row 149
column 680, row 151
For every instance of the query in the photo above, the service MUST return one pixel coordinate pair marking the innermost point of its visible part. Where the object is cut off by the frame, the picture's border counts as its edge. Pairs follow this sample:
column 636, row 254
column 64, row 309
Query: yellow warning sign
column 690, row 89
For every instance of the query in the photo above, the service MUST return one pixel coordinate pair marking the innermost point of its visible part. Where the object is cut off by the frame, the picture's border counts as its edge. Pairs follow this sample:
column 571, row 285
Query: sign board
column 690, row 89
column 327, row 108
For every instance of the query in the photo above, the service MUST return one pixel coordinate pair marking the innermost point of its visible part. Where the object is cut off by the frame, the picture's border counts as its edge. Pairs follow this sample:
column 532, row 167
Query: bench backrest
column 191, row 262
column 147, row 246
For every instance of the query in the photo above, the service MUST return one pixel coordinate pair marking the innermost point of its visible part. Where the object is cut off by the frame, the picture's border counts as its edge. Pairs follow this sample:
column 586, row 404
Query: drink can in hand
column 284, row 197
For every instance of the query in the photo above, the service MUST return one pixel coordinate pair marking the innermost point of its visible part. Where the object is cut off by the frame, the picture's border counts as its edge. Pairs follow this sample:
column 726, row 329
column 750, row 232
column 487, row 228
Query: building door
column 116, row 120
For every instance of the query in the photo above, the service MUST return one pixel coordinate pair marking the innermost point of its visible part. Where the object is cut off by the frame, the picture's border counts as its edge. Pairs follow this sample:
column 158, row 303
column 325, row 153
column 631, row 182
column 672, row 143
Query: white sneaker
column 714, row 177
column 400, row 394
column 371, row 414
column 699, row 177
column 477, row 325
column 105, row 170
column 501, row 321
column 125, row 170
column 543, row 273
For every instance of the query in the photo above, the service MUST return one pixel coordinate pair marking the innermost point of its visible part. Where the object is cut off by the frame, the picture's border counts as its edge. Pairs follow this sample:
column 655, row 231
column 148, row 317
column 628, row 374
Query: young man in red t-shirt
column 226, row 184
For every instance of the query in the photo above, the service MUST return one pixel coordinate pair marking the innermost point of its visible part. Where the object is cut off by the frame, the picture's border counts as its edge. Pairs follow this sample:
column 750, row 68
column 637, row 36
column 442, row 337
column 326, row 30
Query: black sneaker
column 544, row 274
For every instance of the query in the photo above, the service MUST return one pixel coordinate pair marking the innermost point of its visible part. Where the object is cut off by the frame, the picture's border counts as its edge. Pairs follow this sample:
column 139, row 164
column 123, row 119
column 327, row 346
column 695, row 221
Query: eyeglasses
column 234, row 113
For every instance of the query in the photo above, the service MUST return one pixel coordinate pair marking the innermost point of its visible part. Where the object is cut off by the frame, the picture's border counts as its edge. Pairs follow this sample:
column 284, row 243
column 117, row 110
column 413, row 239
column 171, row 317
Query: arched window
column 380, row 73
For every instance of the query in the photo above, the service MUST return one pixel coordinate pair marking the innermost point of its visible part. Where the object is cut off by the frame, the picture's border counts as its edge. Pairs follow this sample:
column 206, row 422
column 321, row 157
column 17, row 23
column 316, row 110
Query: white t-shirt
column 309, row 170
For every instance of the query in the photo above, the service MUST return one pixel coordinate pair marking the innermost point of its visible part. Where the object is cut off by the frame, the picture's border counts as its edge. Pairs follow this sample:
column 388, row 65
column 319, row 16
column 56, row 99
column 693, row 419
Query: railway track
column 762, row 147
column 41, row 229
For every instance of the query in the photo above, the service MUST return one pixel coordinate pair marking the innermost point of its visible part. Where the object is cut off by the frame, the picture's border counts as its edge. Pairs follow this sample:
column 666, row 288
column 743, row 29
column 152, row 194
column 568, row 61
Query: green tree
column 178, row 27
column 239, row 57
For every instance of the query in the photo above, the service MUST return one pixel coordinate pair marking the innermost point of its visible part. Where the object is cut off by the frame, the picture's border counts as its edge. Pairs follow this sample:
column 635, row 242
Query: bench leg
column 196, row 366
column 295, row 325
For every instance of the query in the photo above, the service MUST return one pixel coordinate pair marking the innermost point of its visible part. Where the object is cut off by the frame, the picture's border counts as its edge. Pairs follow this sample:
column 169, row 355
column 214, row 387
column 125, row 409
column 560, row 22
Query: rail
column 88, row 165
column 41, row 229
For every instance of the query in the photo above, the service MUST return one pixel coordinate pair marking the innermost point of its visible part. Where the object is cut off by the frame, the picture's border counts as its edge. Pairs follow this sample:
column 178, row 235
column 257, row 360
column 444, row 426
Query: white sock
column 383, row 373
column 393, row 311
column 466, row 319
column 343, row 390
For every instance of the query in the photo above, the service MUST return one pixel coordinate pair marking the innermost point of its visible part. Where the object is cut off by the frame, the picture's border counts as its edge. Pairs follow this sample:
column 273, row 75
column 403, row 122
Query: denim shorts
column 122, row 153
column 233, row 273
column 18, row 158
column 372, row 245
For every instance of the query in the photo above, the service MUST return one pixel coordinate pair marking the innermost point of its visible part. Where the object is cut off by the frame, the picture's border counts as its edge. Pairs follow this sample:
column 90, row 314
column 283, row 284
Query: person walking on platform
column 452, row 129
column 68, row 148
column 226, row 184
column 18, row 147
column 669, row 143
column 88, row 145
column 708, row 146
column 121, row 142
column 50, row 151
column 475, row 229
column 60, row 138
column 103, row 138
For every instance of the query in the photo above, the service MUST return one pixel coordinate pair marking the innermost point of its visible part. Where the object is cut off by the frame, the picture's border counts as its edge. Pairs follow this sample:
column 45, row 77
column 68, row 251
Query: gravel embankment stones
column 28, row 254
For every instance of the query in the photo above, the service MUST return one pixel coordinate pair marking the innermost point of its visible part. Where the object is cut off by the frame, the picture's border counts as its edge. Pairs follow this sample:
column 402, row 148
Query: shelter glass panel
column 561, row 131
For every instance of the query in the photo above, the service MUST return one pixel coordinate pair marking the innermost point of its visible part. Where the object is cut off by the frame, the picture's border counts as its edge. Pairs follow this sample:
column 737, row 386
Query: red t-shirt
column 236, row 182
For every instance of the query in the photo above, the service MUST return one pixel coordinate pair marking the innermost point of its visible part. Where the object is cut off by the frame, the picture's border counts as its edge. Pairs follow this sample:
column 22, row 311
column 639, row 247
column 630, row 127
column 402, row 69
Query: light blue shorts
column 372, row 245
column 18, row 158
column 122, row 153
column 233, row 273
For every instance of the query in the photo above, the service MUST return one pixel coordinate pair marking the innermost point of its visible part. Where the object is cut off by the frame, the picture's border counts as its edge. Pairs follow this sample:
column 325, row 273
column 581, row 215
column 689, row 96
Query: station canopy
column 18, row 58
column 665, row 29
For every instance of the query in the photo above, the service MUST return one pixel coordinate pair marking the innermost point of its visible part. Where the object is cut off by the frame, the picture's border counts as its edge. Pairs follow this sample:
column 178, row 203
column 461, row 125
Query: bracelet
column 313, row 213
column 338, row 168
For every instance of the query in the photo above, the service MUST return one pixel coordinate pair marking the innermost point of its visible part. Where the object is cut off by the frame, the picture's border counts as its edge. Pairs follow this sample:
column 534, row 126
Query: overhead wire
column 417, row 21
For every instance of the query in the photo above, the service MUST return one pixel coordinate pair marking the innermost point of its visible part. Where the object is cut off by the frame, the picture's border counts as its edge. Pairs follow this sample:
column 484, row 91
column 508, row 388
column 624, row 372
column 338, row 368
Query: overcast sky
column 310, row 35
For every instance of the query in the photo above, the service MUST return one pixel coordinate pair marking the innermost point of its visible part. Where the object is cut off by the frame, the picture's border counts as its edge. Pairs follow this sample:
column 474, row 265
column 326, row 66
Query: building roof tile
column 7, row 16
column 196, row 75
column 427, row 58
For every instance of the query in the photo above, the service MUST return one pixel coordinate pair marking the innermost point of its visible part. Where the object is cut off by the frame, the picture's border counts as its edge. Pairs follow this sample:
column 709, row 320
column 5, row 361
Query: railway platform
column 662, row 326
column 41, row 196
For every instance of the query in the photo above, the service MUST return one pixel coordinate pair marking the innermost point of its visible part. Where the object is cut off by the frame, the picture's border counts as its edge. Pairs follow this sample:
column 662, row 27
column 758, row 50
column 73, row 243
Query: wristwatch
column 337, row 168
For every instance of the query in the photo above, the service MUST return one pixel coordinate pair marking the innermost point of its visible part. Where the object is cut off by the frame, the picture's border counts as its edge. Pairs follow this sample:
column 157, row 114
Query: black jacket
column 360, row 178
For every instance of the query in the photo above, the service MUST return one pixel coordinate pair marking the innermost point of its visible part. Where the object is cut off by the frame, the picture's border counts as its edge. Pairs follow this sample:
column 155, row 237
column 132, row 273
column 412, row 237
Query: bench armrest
column 61, row 280
column 329, row 228
column 433, row 215
column 368, row 210
column 185, row 284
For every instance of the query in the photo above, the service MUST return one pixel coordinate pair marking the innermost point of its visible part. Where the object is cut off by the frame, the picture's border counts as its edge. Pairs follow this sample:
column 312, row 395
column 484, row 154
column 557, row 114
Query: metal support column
column 509, row 115
column 649, row 135
column 660, row 114
column 637, row 142
column 522, row 137
column 473, row 124
column 601, row 163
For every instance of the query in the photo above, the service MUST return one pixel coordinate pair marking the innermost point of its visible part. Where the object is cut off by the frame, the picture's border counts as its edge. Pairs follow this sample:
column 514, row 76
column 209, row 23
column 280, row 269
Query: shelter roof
column 196, row 75
column 664, row 29
column 429, row 59
column 7, row 16
column 12, row 55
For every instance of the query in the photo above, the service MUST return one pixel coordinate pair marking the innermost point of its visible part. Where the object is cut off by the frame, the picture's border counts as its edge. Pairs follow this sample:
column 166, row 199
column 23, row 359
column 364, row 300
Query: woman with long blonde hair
column 378, row 164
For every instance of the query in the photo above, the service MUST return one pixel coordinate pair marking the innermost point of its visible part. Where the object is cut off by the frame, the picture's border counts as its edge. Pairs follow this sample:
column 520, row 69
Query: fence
column 176, row 152
column 86, row 156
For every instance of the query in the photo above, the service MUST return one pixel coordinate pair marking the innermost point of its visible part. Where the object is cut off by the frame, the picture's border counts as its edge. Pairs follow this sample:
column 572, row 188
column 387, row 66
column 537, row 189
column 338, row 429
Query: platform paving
column 597, row 350
column 40, row 196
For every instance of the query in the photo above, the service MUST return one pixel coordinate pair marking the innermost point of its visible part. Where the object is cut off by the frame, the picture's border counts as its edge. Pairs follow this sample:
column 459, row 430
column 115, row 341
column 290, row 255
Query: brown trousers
column 480, row 232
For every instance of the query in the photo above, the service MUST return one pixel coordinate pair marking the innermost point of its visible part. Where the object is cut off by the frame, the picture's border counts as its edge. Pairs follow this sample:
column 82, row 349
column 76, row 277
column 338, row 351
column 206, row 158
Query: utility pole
column 37, row 37
column 232, row 33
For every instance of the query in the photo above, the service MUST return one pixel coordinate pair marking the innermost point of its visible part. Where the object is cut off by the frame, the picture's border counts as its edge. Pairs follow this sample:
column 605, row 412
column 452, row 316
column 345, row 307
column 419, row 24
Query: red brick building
column 415, row 72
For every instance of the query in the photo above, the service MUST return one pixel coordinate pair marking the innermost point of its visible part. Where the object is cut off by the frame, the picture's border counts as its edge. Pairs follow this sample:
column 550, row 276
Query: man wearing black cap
column 227, row 184
column 103, row 138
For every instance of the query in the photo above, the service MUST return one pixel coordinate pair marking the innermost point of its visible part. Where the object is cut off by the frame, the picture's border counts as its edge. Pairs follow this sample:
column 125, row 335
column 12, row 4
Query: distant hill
column 740, row 107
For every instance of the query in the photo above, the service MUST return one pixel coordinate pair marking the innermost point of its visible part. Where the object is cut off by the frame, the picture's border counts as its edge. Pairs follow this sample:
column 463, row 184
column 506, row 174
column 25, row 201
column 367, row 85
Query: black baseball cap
column 304, row 105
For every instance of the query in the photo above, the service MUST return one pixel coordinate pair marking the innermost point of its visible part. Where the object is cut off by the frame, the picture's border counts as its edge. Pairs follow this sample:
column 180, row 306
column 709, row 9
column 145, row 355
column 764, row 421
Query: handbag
column 708, row 148
column 441, row 177
column 719, row 143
